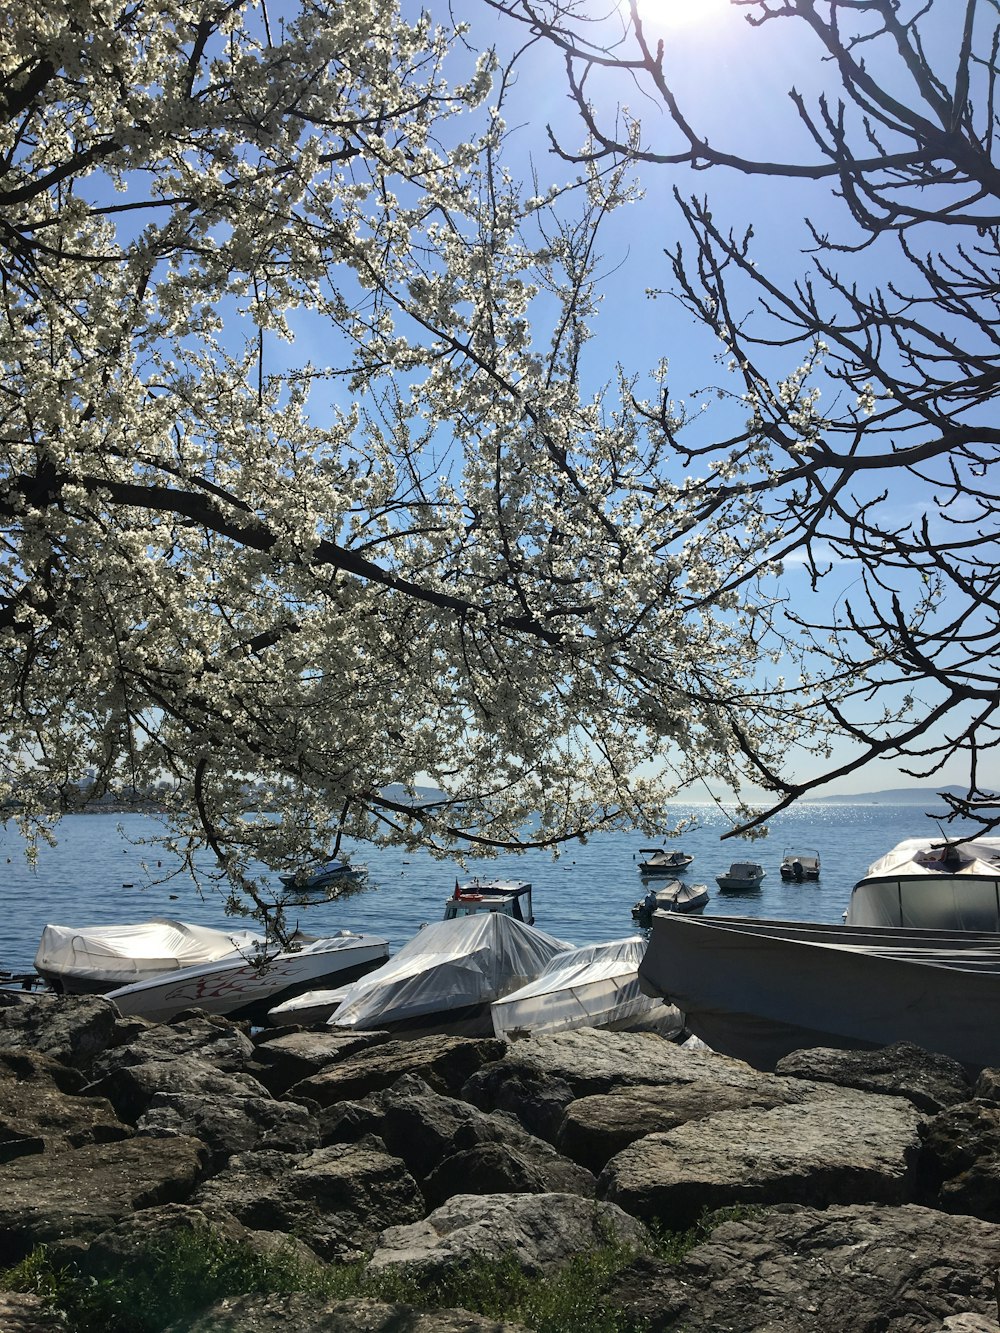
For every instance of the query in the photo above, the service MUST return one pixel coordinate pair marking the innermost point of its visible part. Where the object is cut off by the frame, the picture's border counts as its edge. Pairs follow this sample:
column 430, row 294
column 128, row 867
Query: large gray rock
column 336, row 1199
column 286, row 1058
column 960, row 1160
column 73, row 1029
column 24, row 1313
column 929, row 1080
column 451, row 1147
column 229, row 1123
column 306, row 1314
column 541, row 1231
column 863, row 1268
column 37, row 1115
column 209, row 1037
column 848, row 1147
column 131, row 1088
column 51, row 1196
column 442, row 1061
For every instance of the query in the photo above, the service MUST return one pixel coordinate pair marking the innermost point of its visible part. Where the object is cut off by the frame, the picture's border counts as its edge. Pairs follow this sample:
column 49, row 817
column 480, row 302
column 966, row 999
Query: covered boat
column 512, row 897
column 247, row 985
column 677, row 896
column 94, row 959
column 933, row 884
column 663, row 861
column 759, row 989
column 448, row 975
column 741, row 875
column 799, row 865
column 594, row 986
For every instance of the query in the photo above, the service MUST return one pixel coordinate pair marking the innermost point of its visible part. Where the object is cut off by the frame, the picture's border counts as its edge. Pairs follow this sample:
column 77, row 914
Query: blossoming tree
column 304, row 480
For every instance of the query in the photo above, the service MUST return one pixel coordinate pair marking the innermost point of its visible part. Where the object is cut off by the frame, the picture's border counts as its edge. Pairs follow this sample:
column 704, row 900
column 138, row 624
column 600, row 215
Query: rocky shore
column 871, row 1180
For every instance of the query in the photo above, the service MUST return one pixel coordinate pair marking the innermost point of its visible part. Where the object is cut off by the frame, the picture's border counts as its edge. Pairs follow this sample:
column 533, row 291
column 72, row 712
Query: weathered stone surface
column 286, row 1058
column 303, row 1314
column 537, row 1099
column 36, row 1115
column 336, row 1199
column 87, row 1190
column 451, row 1147
column 131, row 1088
column 960, row 1160
column 864, row 1268
column 930, row 1081
column 208, row 1037
column 987, row 1088
column 443, row 1062
column 970, row 1323
column 228, row 1124
column 73, row 1029
column 846, row 1148
column 542, row 1231
column 24, row 1313
column 595, row 1129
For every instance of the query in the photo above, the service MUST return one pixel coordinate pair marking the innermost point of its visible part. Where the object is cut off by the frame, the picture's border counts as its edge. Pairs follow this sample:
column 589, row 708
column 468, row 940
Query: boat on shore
column 931, row 883
column 676, row 896
column 663, row 861
column 593, row 986
column 510, row 896
column 247, row 985
column 798, row 865
column 743, row 876
column 90, row 960
column 758, row 989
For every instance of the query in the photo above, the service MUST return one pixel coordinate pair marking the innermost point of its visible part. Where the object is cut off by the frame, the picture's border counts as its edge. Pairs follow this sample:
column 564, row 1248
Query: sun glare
column 673, row 14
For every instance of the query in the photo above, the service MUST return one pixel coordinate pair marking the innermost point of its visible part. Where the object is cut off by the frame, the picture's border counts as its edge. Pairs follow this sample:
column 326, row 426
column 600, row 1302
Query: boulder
column 37, row 1115
column 442, row 1061
column 537, row 1099
column 541, row 1231
column 336, row 1199
column 131, row 1088
column 960, row 1160
column 21, row 1312
column 450, row 1146
column 849, row 1147
column 47, row 1197
column 987, row 1087
column 930, row 1081
column 286, row 1058
column 866, row 1267
column 229, row 1123
column 207, row 1037
column 73, row 1029
column 307, row 1314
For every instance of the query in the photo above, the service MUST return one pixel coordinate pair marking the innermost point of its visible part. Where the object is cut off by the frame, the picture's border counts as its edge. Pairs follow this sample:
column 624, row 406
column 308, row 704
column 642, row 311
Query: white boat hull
column 931, row 884
column 758, row 990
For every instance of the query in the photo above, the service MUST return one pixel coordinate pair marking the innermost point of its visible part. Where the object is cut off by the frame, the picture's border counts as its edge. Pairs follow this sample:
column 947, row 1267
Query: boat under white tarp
column 931, row 884
column 448, row 975
column 93, row 959
column 593, row 986
column 758, row 989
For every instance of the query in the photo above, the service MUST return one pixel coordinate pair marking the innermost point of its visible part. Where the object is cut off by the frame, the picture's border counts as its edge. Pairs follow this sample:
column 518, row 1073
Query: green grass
column 177, row 1276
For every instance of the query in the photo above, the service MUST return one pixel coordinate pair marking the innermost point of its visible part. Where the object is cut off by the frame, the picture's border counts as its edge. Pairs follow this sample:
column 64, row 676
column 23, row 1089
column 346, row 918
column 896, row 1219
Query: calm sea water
column 102, row 871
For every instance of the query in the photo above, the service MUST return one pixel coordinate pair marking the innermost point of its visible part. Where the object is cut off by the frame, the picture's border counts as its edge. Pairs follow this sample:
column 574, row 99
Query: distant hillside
column 892, row 796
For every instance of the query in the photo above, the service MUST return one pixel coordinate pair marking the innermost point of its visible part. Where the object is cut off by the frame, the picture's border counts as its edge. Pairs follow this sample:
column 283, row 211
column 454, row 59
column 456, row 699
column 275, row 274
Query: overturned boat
column 593, row 986
column 447, row 977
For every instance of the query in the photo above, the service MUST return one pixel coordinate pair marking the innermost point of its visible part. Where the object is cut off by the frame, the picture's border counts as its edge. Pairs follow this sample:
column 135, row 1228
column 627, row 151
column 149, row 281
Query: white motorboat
column 799, row 864
column 931, row 883
column 247, row 985
column 447, row 976
column 324, row 878
column 742, row 875
column 663, row 861
column 93, row 959
column 594, row 986
column 677, row 896
column 509, row 896
column 758, row 989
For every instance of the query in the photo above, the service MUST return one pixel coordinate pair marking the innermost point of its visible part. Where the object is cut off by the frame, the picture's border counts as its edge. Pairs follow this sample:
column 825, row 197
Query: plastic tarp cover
column 449, row 965
column 594, row 986
column 132, row 952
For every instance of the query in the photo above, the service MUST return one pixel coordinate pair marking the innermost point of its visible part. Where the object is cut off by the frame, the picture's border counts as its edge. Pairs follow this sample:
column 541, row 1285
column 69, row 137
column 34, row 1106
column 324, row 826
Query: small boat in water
column 931, row 883
column 677, row 896
column 89, row 960
column 758, row 989
column 741, row 875
column 509, row 896
column 595, row 986
column 798, row 865
column 662, row 861
column 248, row 985
column 326, row 877
column 447, row 976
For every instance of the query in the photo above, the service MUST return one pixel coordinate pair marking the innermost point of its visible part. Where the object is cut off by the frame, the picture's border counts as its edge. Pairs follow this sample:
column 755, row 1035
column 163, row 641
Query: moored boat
column 742, row 875
column 758, row 989
column 799, row 864
column 325, row 877
column 931, row 883
column 676, row 896
column 510, row 896
column 663, row 861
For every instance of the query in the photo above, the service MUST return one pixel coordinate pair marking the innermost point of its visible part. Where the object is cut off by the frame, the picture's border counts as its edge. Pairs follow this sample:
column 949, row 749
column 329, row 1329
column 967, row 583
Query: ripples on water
column 100, row 872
